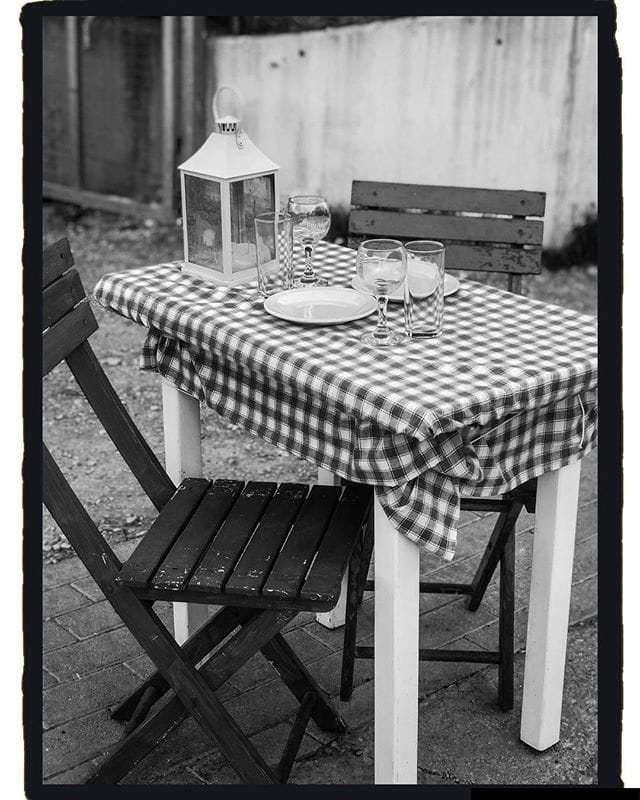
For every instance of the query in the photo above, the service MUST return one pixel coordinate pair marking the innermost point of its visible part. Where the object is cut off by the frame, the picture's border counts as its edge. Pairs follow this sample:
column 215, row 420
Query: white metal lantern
column 224, row 186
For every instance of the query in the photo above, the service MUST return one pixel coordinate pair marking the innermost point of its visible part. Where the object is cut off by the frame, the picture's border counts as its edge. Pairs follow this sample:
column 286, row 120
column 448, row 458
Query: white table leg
column 550, row 594
column 397, row 608
column 183, row 459
column 334, row 618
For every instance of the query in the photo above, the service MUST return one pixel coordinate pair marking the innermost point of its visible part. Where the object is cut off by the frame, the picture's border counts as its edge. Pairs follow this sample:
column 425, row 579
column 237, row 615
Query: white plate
column 320, row 305
column 451, row 286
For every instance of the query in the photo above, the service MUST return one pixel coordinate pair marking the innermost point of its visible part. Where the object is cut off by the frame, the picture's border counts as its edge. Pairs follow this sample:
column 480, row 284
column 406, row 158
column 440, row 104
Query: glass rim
column 431, row 246
column 307, row 198
column 392, row 244
column 273, row 216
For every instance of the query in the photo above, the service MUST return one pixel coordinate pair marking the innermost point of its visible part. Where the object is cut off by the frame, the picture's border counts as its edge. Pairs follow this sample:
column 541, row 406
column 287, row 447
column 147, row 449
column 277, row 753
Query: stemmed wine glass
column 382, row 267
column 311, row 221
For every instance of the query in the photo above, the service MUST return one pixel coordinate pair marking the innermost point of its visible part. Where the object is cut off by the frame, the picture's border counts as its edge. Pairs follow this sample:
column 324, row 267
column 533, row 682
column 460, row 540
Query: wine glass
column 311, row 221
column 382, row 267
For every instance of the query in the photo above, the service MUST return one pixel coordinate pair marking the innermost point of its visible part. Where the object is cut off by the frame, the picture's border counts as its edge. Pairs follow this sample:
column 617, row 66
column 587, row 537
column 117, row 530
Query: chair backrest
column 485, row 230
column 67, row 323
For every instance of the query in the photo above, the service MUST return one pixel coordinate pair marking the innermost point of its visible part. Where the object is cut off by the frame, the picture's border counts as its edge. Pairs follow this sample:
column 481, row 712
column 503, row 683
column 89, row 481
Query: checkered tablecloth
column 506, row 393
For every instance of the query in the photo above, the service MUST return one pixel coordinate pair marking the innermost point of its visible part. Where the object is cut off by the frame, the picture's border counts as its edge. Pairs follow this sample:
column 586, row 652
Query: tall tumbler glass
column 274, row 250
column 424, row 288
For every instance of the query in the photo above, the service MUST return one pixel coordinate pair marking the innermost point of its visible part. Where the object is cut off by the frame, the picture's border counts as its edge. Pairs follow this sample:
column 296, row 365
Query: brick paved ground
column 90, row 661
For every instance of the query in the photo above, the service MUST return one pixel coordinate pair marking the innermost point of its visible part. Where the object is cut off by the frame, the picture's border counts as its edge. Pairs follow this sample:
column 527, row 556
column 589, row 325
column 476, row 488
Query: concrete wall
column 499, row 102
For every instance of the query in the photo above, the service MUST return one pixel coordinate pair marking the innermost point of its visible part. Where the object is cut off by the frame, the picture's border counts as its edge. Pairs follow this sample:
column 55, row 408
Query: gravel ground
column 104, row 243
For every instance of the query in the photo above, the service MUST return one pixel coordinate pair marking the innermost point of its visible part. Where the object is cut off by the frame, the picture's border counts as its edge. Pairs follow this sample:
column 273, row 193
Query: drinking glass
column 311, row 221
column 382, row 267
column 274, row 250
column 424, row 288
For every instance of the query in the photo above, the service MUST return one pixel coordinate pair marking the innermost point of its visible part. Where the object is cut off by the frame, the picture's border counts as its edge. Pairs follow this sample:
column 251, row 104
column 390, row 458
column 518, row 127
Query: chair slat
column 296, row 555
column 66, row 335
column 378, row 194
column 179, row 563
column 60, row 297
column 155, row 544
column 109, row 409
column 255, row 562
column 223, row 552
column 56, row 259
column 325, row 576
column 484, row 258
column 373, row 222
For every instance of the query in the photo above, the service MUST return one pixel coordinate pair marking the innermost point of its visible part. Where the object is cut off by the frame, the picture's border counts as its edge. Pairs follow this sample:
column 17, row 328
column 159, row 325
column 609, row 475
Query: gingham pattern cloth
column 507, row 392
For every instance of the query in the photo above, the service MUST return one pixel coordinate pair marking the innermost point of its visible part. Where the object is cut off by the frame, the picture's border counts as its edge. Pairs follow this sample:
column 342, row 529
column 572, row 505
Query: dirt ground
column 104, row 243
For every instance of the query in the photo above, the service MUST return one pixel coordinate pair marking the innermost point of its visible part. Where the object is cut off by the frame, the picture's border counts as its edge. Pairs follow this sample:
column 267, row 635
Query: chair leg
column 218, row 668
column 502, row 530
column 283, row 770
column 202, row 642
column 506, row 624
column 351, row 623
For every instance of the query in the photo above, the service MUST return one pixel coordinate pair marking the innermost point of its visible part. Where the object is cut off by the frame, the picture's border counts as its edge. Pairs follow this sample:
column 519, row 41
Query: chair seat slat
column 255, row 562
column 380, row 194
column 145, row 559
column 324, row 578
column 220, row 558
column 60, row 297
column 66, row 335
column 293, row 561
column 176, row 568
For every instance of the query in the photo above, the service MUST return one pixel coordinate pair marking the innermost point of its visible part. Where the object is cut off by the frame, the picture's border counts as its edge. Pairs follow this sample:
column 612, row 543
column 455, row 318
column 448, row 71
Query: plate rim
column 392, row 299
column 268, row 307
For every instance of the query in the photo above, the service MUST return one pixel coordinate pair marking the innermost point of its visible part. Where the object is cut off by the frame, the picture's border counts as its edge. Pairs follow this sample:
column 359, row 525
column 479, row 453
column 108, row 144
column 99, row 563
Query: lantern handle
column 227, row 105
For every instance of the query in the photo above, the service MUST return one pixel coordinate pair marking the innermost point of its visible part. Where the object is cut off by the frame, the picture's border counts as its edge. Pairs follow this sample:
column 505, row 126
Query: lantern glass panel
column 249, row 198
column 204, row 222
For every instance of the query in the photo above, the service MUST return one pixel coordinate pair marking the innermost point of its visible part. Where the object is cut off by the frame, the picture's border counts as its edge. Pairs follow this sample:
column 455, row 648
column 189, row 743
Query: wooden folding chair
column 486, row 230
column 261, row 551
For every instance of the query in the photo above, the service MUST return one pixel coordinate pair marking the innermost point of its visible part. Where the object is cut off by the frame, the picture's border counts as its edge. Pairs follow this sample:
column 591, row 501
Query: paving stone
column 77, row 740
column 72, row 776
column 63, row 572
column 327, row 672
column 92, row 619
column 75, row 698
column 62, row 599
column 475, row 727
column 342, row 768
column 214, row 769
column 89, row 588
column 54, row 636
column 584, row 600
column 182, row 777
column 90, row 655
column 182, row 746
column 262, row 707
column 47, row 679
column 445, row 624
column 259, row 671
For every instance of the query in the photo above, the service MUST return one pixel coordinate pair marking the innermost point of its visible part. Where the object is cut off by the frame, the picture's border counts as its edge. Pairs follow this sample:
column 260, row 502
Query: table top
column 505, row 393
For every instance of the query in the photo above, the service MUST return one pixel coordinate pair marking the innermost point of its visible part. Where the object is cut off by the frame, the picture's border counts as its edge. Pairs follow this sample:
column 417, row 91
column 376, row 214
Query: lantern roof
column 227, row 157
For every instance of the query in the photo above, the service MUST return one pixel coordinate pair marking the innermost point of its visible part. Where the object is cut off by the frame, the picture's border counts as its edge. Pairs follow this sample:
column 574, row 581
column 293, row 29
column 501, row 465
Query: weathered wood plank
column 325, row 575
column 108, row 407
column 176, row 569
column 60, row 297
column 484, row 258
column 145, row 559
column 378, row 194
column 220, row 558
column 104, row 202
column 298, row 550
column 56, row 259
column 262, row 548
column 67, row 334
column 372, row 222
